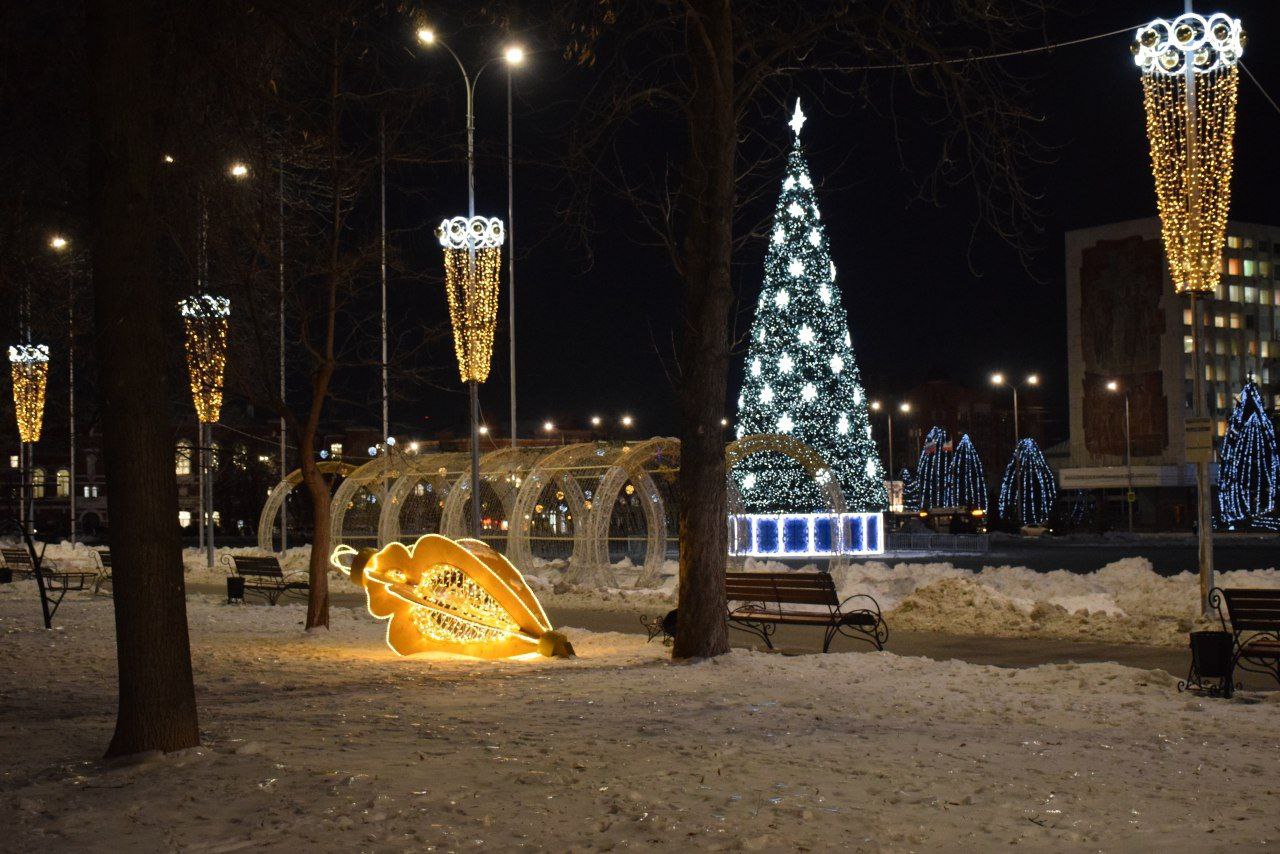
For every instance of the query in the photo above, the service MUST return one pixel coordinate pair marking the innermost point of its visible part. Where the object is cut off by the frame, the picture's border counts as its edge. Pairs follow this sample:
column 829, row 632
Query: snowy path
column 328, row 742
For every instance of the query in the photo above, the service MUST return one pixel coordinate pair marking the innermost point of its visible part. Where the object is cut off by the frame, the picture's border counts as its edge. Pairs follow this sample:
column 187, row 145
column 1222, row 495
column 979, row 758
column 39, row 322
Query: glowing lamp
column 472, row 266
column 29, row 366
column 457, row 596
column 204, row 320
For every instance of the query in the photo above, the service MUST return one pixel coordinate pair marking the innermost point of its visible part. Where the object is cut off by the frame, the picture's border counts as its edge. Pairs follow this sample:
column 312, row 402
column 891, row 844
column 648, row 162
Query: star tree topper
column 797, row 118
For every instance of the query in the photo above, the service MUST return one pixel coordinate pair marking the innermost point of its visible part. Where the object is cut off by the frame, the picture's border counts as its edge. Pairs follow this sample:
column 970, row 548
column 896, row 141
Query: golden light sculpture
column 204, row 319
column 1191, row 135
column 29, row 366
column 472, row 267
column 458, row 596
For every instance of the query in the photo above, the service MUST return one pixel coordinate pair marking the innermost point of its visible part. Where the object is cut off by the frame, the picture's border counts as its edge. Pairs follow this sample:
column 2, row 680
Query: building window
column 1233, row 266
column 37, row 483
column 184, row 518
column 336, row 450
column 1250, row 295
column 182, row 459
column 1233, row 293
column 1250, row 267
column 1248, row 243
column 1233, row 243
column 1186, row 343
column 13, row 461
column 1186, row 317
column 64, row 483
column 1264, row 268
column 1219, row 321
column 1235, row 320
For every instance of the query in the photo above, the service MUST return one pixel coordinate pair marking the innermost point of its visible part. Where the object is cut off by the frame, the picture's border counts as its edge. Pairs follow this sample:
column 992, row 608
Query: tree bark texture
column 704, row 350
column 157, row 706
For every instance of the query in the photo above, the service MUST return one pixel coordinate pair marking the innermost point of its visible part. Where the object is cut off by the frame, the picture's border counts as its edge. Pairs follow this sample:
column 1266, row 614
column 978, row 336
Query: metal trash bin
column 1211, row 661
column 235, row 589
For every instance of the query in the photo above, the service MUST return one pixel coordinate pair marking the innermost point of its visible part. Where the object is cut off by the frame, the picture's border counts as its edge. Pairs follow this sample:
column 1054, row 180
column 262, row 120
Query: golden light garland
column 29, row 365
column 204, row 319
column 472, row 269
column 458, row 596
column 1192, row 172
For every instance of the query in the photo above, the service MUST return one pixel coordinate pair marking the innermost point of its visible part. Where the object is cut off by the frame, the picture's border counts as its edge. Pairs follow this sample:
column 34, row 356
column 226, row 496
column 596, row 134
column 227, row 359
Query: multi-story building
column 1127, row 326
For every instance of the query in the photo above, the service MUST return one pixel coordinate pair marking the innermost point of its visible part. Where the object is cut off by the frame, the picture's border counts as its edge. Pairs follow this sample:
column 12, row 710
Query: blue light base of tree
column 1248, row 466
column 801, row 378
column 782, row 535
column 1027, row 489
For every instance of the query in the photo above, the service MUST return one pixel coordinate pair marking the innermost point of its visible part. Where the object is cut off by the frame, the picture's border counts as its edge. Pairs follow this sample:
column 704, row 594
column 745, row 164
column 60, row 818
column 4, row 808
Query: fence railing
column 938, row 543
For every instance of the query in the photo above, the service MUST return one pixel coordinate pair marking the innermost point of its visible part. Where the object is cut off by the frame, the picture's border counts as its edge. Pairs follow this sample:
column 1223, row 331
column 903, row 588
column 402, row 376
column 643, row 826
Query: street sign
column 1199, row 440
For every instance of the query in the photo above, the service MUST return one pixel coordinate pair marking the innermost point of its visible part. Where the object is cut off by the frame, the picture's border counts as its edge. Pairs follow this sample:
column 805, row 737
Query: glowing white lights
column 806, row 334
column 749, row 482
column 805, row 182
column 871, row 468
column 809, row 393
column 842, row 426
column 785, row 424
column 795, row 210
column 814, row 238
column 1215, row 42
column 797, row 119
column 755, row 367
column 796, row 267
column 790, row 183
column 785, row 364
column 857, row 396
column 780, row 299
column 833, row 271
column 766, row 394
column 824, row 294
column 779, row 236
column 837, row 364
column 805, row 534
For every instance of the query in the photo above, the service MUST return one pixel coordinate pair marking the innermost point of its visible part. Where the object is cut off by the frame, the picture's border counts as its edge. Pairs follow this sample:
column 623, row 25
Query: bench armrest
column 1216, row 600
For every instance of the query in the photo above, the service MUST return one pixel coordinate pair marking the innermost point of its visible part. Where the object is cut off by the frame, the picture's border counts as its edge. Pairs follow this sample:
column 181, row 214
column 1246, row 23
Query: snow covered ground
column 1124, row 602
column 329, row 742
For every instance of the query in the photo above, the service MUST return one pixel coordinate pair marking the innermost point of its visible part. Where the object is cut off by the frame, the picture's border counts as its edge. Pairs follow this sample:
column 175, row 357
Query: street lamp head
column 875, row 406
column 997, row 379
column 238, row 170
column 514, row 55
column 595, row 420
column 168, row 158
column 724, row 422
column 1034, row 379
column 1112, row 385
column 626, row 421
column 58, row 243
column 426, row 36
column 483, row 429
column 904, row 407
column 548, row 426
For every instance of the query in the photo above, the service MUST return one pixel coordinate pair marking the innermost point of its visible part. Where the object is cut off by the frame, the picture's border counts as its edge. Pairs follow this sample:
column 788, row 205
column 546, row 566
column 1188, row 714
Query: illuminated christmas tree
column 966, row 482
column 801, row 377
column 931, row 473
column 1249, row 466
column 1027, row 489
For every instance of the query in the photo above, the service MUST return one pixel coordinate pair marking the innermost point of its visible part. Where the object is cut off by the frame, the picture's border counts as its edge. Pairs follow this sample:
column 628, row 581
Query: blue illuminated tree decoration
column 801, row 376
column 910, row 491
column 931, row 473
column 1248, row 467
column 966, row 482
column 1027, row 489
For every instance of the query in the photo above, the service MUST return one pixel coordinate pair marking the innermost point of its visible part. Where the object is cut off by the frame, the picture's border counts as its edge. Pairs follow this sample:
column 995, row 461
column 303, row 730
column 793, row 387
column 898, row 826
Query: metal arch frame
column 271, row 509
column 806, row 456
column 554, row 466
column 383, row 466
column 452, row 518
column 418, row 469
column 630, row 467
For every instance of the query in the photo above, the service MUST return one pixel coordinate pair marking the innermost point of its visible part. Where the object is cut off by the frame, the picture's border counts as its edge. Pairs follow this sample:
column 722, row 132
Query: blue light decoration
column 931, row 473
column 910, row 491
column 1249, row 467
column 966, row 482
column 1027, row 489
column 801, row 374
column 805, row 534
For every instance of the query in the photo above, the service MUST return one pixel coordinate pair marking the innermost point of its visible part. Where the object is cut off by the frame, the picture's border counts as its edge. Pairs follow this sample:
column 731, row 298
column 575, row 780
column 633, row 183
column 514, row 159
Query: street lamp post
column 904, row 408
column 1032, row 380
column 514, row 56
column 61, row 245
column 474, row 316
column 1114, row 386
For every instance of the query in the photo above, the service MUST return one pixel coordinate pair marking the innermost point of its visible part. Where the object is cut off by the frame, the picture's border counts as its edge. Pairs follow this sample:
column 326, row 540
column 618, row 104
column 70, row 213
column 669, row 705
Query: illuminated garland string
column 1249, row 466
column 1027, row 489
column 966, row 481
column 931, row 473
column 1192, row 174
column 472, row 270
column 29, row 366
column 204, row 319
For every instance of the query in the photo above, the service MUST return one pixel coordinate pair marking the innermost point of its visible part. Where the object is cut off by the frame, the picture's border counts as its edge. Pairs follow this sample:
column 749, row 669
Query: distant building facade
column 1125, row 324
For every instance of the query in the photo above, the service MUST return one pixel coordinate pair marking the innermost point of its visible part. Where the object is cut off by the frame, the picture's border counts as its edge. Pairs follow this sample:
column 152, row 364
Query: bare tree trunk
column 321, row 545
column 157, row 709
column 704, row 351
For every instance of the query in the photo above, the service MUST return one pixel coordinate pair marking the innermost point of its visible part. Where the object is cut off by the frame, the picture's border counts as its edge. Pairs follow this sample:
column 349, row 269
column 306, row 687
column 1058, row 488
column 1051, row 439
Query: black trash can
column 6, row 575
column 235, row 589
column 1211, row 654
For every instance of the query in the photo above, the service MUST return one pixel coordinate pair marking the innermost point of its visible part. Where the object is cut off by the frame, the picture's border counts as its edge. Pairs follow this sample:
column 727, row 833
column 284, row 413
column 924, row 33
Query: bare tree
column 705, row 68
column 157, row 709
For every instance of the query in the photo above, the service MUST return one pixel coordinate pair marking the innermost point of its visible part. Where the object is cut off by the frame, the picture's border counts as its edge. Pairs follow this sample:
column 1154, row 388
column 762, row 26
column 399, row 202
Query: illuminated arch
column 555, row 467
column 631, row 466
column 439, row 471
column 503, row 470
column 268, row 518
column 384, row 467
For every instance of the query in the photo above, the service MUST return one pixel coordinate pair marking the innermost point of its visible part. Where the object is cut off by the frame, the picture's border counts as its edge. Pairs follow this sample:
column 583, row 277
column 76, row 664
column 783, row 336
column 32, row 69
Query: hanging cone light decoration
column 204, row 319
column 472, row 266
column 29, row 364
column 1191, row 160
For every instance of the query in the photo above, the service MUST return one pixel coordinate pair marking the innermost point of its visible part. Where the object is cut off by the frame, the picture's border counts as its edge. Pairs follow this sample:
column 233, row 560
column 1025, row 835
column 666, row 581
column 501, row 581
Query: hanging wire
column 1256, row 82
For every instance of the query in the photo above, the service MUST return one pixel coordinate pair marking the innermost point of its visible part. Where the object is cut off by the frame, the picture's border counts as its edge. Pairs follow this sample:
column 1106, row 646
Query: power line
column 1265, row 93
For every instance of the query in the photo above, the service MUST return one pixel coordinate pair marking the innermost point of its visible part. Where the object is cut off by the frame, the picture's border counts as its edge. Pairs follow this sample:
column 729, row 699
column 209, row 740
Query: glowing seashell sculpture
column 459, row 596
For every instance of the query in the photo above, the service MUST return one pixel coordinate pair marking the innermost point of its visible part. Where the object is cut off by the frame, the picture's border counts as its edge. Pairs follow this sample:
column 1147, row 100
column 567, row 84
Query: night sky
column 927, row 297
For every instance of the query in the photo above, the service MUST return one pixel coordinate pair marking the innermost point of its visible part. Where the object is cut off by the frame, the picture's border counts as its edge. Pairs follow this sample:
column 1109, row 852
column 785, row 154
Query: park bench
column 104, row 571
column 263, row 575
column 1254, row 615
column 56, row 584
column 758, row 602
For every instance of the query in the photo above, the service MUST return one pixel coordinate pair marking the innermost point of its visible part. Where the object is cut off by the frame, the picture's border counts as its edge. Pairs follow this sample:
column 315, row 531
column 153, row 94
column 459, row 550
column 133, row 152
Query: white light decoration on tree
column 815, row 389
column 1191, row 160
column 472, row 269
column 966, row 481
column 1249, row 467
column 29, row 367
column 204, row 321
column 1027, row 489
column 931, row 472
